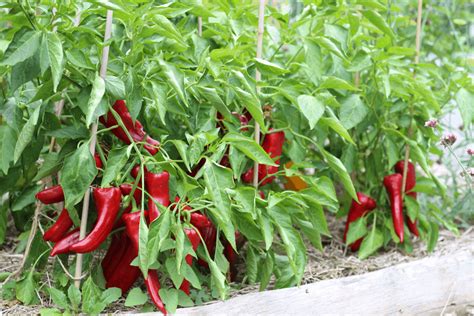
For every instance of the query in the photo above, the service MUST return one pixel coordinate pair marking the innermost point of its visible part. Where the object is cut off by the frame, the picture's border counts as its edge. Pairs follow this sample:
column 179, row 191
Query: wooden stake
column 200, row 26
column 260, row 30
column 85, row 205
column 417, row 60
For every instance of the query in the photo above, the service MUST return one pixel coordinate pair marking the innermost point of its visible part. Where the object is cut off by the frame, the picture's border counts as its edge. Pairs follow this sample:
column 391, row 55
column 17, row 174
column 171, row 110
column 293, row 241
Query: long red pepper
column 57, row 231
column 273, row 145
column 124, row 274
column 107, row 201
column 54, row 194
column 98, row 161
column 410, row 184
column 132, row 224
column 64, row 245
column 157, row 185
column 358, row 210
column 135, row 129
column 393, row 185
column 114, row 254
column 195, row 240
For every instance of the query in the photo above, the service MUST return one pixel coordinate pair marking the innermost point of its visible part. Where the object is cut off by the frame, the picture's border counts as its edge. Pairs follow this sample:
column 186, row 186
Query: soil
column 335, row 261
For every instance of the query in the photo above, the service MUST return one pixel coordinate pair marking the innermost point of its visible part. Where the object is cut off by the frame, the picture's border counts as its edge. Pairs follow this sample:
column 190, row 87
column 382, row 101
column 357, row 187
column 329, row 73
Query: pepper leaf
column 249, row 147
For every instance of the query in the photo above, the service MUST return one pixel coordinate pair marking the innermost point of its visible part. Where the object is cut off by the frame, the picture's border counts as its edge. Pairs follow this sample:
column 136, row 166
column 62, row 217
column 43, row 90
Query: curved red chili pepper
column 410, row 184
column 273, row 145
column 195, row 240
column 358, row 210
column 153, row 286
column 157, row 185
column 107, row 202
column 59, row 228
column 124, row 274
column 98, row 161
column 64, row 245
column 135, row 129
column 54, row 194
column 393, row 185
column 114, row 254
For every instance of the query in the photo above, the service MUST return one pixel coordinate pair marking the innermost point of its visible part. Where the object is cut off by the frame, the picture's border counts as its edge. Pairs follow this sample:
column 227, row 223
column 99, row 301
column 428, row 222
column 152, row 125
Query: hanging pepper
column 107, row 201
column 195, row 240
column 126, row 189
column 135, row 129
column 98, row 161
column 64, row 245
column 124, row 274
column 358, row 210
column 157, row 185
column 114, row 254
column 54, row 194
column 410, row 184
column 294, row 183
column 57, row 231
column 273, row 145
column 393, row 185
column 132, row 224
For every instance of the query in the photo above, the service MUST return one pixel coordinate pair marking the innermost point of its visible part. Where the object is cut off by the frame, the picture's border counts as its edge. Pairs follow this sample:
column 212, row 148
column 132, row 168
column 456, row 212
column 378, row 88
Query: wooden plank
column 420, row 287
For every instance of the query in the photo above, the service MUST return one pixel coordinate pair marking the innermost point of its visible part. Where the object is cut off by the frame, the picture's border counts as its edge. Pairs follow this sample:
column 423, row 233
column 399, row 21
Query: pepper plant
column 177, row 111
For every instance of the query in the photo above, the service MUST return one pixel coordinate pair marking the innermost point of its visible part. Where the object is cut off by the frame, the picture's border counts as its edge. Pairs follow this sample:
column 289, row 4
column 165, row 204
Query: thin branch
column 260, row 30
column 85, row 205
column 417, row 60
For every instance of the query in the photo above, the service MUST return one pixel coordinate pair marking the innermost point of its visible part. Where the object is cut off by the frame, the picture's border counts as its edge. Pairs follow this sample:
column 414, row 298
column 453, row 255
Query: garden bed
column 330, row 264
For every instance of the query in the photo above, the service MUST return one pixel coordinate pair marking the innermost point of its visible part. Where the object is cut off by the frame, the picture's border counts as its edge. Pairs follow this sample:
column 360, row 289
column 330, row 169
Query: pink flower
column 448, row 139
column 470, row 152
column 431, row 123
column 470, row 172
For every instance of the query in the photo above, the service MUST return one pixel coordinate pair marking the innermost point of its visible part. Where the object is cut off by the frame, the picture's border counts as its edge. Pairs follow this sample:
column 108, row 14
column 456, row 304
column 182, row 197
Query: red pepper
column 410, row 184
column 135, row 129
column 273, row 145
column 98, row 161
column 262, row 195
column 126, row 189
column 57, row 231
column 64, row 245
column 114, row 254
column 153, row 286
column 157, row 185
column 51, row 195
column 124, row 274
column 136, row 170
column 195, row 240
column 132, row 224
column 358, row 210
column 107, row 202
column 393, row 185
column 231, row 257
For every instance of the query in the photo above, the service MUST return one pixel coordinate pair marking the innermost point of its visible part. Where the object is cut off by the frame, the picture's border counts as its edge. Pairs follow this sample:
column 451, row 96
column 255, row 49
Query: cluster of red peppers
column 394, row 185
column 123, row 248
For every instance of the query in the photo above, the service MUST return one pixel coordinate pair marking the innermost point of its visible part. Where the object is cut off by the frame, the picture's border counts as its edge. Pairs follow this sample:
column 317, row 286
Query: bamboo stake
column 260, row 30
column 85, row 205
column 417, row 60
column 199, row 26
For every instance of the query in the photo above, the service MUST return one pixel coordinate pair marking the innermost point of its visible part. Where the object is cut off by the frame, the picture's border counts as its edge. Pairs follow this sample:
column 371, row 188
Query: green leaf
column 26, row 134
column 329, row 45
column 311, row 108
column 25, row 289
column 142, row 245
column 378, row 21
column 110, row 295
column 314, row 61
column 269, row 67
column 168, row 29
column 8, row 141
column 116, row 160
column 171, row 268
column 50, row 312
column 465, row 101
column 252, row 104
column 371, row 243
column 55, row 55
column 249, row 147
column 189, row 274
column 24, row 51
column 97, row 92
column 337, row 127
column 74, row 296
column 210, row 94
column 184, row 300
column 77, row 174
column 91, row 293
column 170, row 299
column 266, row 272
column 218, row 279
column 353, row 111
column 176, row 79
column 432, row 236
column 183, row 150
column 336, row 165
column 357, row 229
column 412, row 207
column 58, row 297
column 136, row 297
column 337, row 83
column 115, row 87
